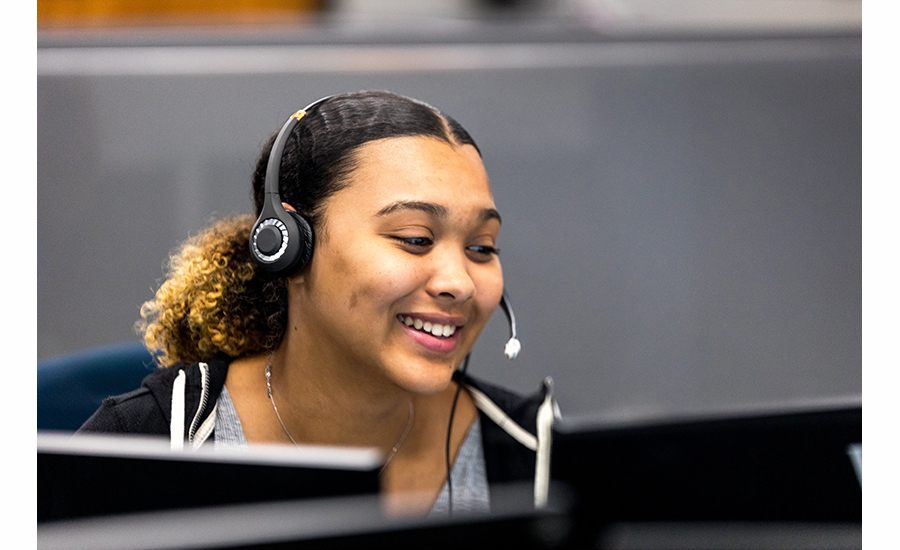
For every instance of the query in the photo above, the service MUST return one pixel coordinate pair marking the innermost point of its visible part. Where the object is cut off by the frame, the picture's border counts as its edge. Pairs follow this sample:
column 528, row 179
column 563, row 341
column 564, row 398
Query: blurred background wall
column 680, row 181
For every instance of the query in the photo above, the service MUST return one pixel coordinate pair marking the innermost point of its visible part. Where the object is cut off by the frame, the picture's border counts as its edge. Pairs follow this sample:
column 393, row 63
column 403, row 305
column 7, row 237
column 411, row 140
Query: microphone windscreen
column 512, row 348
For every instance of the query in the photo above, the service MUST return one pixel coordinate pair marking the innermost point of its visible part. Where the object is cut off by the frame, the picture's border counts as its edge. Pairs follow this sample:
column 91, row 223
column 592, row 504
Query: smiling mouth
column 434, row 329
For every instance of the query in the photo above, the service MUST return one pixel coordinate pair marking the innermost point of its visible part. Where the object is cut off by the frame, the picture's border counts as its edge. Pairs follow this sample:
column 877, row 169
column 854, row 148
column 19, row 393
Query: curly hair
column 215, row 302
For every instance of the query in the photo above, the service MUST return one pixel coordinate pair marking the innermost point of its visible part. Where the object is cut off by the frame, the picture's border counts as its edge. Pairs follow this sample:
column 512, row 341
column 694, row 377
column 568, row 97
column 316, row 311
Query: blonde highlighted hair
column 214, row 302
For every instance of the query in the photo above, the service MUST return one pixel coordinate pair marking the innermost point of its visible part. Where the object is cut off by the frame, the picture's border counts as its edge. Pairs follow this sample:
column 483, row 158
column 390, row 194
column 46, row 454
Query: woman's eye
column 483, row 253
column 415, row 242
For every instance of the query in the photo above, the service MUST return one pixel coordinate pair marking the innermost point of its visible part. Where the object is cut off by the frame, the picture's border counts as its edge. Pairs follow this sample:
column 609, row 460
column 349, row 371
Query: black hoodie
column 509, row 422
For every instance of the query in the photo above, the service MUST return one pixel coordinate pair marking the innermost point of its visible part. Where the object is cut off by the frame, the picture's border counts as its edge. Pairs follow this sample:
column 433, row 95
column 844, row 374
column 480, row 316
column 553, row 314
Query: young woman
column 355, row 338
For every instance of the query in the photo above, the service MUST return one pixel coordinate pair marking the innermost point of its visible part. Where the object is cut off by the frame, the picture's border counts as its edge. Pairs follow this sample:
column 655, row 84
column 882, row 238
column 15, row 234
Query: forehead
column 417, row 169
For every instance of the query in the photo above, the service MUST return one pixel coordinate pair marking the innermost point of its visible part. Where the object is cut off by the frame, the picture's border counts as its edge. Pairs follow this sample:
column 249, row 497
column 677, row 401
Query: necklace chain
column 390, row 455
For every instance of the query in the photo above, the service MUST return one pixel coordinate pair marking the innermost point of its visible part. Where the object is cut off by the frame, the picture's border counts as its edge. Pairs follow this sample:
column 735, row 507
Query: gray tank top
column 470, row 487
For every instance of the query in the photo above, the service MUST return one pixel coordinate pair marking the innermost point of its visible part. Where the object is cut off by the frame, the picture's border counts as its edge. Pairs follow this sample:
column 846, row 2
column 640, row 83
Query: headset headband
column 281, row 242
column 273, row 169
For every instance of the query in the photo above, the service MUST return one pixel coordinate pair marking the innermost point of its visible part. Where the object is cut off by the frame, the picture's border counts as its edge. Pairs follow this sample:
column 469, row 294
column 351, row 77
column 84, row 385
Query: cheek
column 489, row 285
column 367, row 278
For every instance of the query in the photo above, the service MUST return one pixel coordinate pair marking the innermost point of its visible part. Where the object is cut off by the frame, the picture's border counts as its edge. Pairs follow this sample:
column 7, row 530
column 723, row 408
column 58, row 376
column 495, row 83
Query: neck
column 325, row 401
column 317, row 409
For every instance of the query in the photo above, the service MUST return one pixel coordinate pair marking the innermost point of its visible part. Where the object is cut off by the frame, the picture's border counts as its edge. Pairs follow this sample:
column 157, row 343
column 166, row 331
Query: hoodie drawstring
column 500, row 418
column 545, row 417
column 197, row 434
column 541, row 444
column 176, row 424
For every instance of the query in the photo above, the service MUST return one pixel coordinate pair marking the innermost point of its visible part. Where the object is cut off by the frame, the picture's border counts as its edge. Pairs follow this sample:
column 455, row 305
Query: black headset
column 282, row 241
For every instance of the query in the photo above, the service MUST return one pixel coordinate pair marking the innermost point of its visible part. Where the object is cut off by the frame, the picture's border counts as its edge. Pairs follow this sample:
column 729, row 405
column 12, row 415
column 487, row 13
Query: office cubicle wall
column 681, row 218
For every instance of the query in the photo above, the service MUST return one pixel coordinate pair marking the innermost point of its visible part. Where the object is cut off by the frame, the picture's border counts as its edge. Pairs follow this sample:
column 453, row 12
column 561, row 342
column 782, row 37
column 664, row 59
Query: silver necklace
column 390, row 455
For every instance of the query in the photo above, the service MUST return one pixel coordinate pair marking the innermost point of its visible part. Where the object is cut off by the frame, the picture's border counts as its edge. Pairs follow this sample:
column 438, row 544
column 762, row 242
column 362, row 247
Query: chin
column 425, row 378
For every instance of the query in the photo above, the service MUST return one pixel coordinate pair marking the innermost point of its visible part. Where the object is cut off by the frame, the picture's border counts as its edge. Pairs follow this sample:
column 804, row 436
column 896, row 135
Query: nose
column 450, row 278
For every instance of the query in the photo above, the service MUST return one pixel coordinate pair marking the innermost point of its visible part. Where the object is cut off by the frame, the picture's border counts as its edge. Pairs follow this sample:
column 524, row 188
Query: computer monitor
column 97, row 475
column 798, row 465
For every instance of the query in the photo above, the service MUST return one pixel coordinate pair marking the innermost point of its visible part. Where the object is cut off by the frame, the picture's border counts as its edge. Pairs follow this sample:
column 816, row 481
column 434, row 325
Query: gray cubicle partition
column 682, row 217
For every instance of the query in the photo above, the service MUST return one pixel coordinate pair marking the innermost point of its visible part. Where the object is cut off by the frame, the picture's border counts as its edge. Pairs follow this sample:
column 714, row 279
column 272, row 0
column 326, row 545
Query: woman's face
column 404, row 275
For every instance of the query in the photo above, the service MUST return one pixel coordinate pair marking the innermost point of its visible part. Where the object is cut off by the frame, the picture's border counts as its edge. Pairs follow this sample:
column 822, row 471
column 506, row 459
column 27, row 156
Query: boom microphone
column 513, row 346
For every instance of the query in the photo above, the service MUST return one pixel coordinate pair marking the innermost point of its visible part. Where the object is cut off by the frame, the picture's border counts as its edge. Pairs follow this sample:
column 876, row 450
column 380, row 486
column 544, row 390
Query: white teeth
column 435, row 329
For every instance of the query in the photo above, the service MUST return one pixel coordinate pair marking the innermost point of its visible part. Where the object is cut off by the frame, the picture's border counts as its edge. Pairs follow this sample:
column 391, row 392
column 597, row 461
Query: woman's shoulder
column 508, row 427
column 146, row 410
column 135, row 412
column 522, row 408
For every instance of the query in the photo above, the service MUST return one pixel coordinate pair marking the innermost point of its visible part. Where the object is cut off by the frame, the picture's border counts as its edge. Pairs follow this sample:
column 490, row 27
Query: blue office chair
column 71, row 387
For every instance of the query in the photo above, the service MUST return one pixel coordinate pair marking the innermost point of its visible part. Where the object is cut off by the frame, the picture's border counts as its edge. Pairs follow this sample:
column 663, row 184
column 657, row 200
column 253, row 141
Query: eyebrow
column 432, row 209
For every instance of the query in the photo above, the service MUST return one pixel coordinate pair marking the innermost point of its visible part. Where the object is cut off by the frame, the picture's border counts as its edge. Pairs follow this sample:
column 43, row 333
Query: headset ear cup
column 306, row 242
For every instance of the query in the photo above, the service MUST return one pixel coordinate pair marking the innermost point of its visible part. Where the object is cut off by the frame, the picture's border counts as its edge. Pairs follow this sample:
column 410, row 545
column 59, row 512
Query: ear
column 299, row 278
